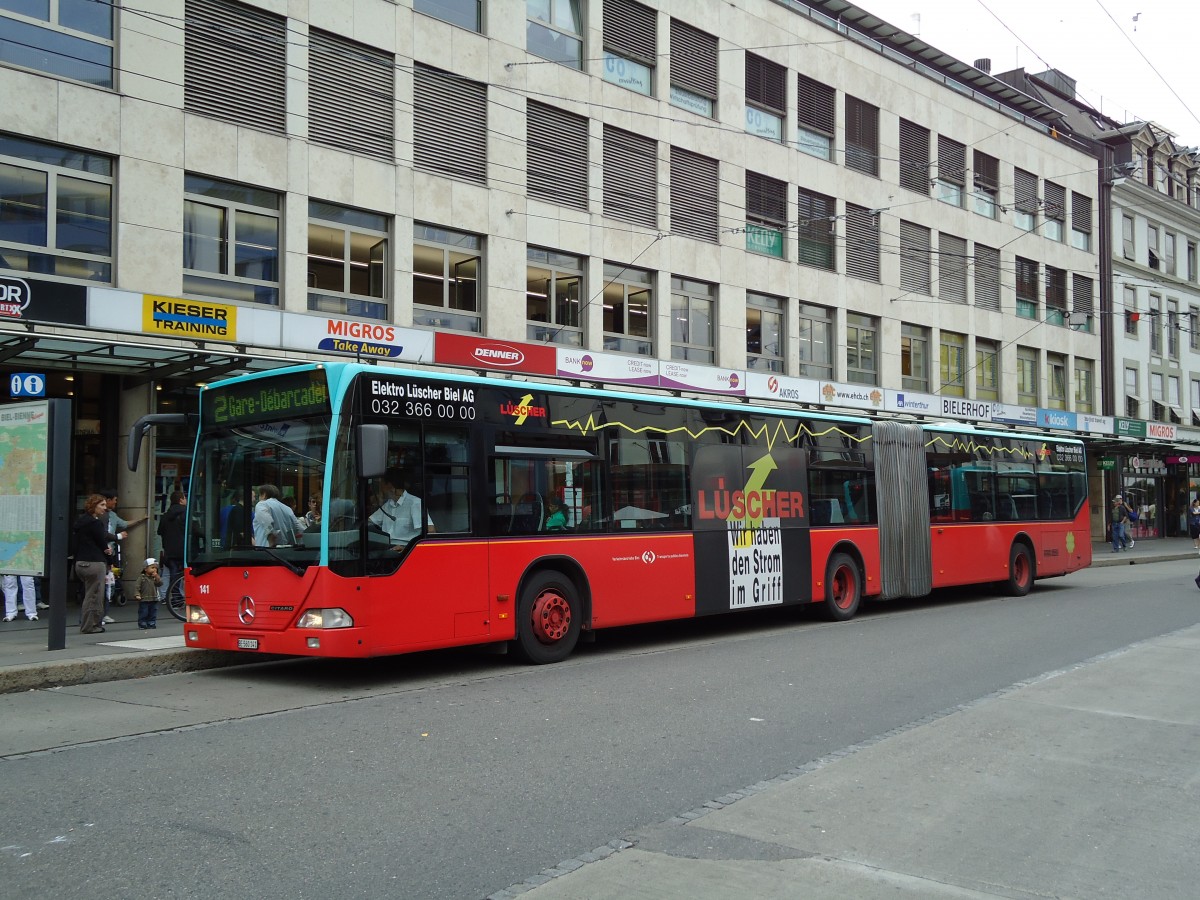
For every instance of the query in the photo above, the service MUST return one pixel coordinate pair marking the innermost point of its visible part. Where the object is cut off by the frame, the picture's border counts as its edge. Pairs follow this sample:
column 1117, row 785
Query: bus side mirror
column 134, row 448
column 372, row 450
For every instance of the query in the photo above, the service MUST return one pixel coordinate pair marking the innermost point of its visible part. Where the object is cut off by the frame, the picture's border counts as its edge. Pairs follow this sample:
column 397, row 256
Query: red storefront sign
column 502, row 356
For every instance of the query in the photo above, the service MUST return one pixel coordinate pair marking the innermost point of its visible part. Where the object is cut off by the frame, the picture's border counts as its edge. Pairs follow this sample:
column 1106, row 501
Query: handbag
column 1132, row 514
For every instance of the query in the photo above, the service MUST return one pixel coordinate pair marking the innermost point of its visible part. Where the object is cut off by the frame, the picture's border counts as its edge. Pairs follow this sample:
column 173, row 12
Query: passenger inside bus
column 556, row 515
column 399, row 515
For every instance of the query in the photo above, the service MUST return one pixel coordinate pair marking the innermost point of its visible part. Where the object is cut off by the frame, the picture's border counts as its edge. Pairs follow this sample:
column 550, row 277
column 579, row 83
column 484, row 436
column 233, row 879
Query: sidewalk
column 124, row 651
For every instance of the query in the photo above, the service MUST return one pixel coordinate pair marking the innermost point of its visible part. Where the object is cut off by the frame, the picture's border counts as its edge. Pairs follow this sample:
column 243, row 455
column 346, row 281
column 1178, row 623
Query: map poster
column 24, row 433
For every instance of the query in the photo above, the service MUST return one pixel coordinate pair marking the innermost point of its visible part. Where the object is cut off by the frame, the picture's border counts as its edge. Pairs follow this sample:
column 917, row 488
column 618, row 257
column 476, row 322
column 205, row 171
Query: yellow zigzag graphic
column 970, row 445
column 591, row 426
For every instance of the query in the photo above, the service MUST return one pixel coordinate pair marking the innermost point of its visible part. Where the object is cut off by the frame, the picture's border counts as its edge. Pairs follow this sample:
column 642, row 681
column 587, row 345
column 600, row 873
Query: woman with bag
column 91, row 561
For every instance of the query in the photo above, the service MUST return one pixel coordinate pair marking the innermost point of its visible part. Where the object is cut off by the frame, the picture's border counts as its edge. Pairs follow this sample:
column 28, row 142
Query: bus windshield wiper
column 291, row 566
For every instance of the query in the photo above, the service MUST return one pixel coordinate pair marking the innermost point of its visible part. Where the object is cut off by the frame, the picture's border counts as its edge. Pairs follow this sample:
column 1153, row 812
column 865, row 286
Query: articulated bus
column 547, row 511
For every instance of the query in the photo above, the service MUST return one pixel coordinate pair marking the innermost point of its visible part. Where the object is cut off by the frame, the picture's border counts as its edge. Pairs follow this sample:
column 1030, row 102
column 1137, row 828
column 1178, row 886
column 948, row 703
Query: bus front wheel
column 548, row 619
column 843, row 588
column 1020, row 571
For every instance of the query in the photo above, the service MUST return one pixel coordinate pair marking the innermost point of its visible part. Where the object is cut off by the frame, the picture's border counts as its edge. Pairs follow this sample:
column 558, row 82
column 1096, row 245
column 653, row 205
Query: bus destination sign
column 266, row 400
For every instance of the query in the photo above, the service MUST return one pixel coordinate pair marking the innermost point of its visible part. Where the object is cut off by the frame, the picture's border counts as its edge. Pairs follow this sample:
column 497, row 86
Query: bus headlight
column 325, row 618
column 196, row 615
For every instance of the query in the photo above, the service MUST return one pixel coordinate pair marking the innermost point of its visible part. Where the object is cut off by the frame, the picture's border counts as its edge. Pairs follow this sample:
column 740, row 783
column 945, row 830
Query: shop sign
column 363, row 338
column 979, row 411
column 681, row 376
column 1096, row 424
column 911, row 402
column 475, row 352
column 1106, row 464
column 1129, row 427
column 1160, row 430
column 856, row 396
column 769, row 386
column 613, row 367
column 1014, row 415
column 767, row 241
column 195, row 319
column 1057, row 418
column 31, row 300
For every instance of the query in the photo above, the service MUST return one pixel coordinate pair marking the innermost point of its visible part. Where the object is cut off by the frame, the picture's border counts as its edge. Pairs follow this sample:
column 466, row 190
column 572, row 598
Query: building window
column 915, row 254
column 1025, row 193
column 1082, row 301
column 628, row 310
column 1195, row 402
column 1132, row 394
column 556, row 155
column 1127, row 248
column 765, row 104
column 951, row 171
column 694, row 69
column 816, row 231
column 230, row 241
column 815, row 113
column 348, row 266
column 952, row 268
column 862, row 136
column 987, row 184
column 630, row 45
column 1027, row 288
column 553, row 297
column 914, row 357
column 69, row 39
column 554, row 31
column 1056, row 381
column 987, row 369
column 449, row 125
column 914, row 157
column 1056, row 296
column 1081, row 221
column 765, row 329
column 630, row 177
column 694, row 195
column 1194, row 329
column 693, row 305
column 1173, row 400
column 344, row 75
column 862, row 363
column 1084, row 385
column 1191, row 261
column 1155, row 325
column 953, row 364
column 1153, row 259
column 1131, row 311
column 987, row 277
column 766, row 214
column 235, row 64
column 1158, row 408
column 1173, row 328
column 862, row 243
column 55, row 210
column 816, row 341
column 446, row 278
column 1169, row 253
column 1027, row 376
column 463, row 13
column 1056, row 211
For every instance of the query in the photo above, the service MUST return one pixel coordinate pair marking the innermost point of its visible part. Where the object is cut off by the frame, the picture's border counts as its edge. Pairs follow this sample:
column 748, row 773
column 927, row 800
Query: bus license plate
column 247, row 643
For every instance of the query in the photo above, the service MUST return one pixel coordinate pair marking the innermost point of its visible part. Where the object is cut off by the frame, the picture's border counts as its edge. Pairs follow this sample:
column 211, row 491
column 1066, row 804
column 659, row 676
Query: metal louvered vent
column 952, row 160
column 694, row 195
column 765, row 83
column 862, row 243
column 987, row 172
column 693, row 60
column 815, row 104
column 556, row 155
column 987, row 277
column 952, row 268
column 235, row 64
column 1056, row 201
column 766, row 199
column 862, row 136
column 915, row 258
column 914, row 157
column 630, row 29
column 630, row 177
column 449, row 124
column 1025, row 191
column 1082, row 300
column 351, row 96
column 1081, row 212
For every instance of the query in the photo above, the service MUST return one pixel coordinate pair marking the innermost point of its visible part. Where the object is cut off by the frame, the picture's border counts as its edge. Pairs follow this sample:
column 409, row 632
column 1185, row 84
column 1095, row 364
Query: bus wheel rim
column 551, row 617
column 1021, row 569
column 842, row 588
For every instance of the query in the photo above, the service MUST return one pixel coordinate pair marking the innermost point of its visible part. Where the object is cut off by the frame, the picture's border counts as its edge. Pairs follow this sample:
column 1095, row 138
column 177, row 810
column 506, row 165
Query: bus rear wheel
column 1020, row 571
column 843, row 588
column 548, row 619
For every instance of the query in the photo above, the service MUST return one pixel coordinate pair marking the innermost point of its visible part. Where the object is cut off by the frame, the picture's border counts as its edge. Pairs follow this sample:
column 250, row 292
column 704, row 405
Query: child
column 146, row 594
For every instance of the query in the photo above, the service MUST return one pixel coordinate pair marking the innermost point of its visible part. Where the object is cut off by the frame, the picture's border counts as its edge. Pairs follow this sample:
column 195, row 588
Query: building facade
column 192, row 188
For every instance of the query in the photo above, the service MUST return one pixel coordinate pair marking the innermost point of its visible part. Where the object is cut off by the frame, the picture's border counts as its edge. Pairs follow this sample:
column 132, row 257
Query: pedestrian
column 312, row 518
column 171, row 528
column 146, row 594
column 115, row 525
column 275, row 524
column 1194, row 523
column 10, row 597
column 91, row 561
column 1120, row 519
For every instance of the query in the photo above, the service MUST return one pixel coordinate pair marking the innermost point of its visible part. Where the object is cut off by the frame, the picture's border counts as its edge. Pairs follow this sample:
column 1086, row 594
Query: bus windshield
column 234, row 465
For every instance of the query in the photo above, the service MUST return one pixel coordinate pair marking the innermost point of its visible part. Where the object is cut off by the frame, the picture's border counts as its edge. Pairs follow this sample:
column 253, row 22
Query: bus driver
column 399, row 516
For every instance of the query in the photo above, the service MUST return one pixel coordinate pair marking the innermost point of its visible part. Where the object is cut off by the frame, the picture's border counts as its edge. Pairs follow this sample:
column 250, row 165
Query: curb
column 1100, row 561
column 119, row 667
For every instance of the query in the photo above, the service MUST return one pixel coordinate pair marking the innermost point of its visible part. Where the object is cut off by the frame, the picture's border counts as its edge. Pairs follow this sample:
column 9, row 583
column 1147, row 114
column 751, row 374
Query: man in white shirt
column 399, row 516
column 274, row 523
